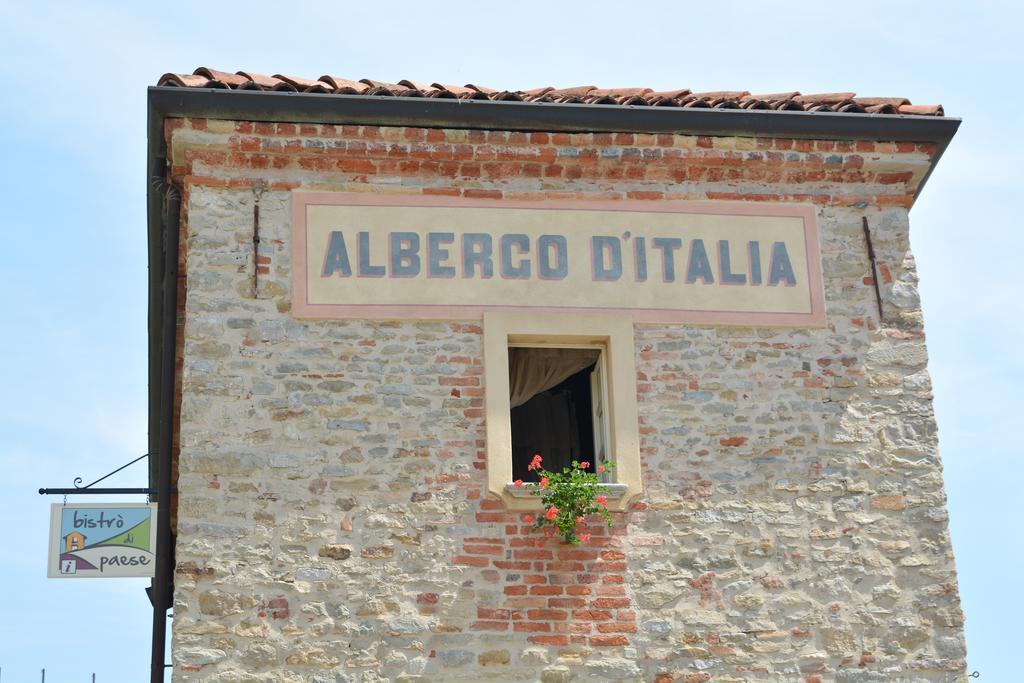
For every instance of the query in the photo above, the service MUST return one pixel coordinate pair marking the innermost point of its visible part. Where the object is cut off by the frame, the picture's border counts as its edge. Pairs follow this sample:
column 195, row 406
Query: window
column 563, row 386
column 556, row 397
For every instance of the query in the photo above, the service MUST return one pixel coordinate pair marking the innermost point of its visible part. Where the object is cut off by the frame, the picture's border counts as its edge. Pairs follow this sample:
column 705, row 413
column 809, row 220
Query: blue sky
column 73, row 261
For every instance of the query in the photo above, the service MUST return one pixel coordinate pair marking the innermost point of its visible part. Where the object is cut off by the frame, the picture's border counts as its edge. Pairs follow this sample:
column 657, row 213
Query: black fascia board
column 426, row 112
column 436, row 112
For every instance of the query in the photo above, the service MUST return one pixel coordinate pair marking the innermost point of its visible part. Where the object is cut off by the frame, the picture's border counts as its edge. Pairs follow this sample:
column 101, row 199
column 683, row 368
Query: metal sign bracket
column 89, row 490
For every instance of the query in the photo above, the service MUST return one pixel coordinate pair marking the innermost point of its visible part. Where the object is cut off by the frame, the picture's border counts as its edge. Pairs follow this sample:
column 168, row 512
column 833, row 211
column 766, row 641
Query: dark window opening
column 558, row 422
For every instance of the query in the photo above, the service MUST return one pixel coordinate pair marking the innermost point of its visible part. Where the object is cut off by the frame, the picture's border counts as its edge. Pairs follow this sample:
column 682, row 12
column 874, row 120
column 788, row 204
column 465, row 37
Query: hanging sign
column 102, row 540
column 378, row 256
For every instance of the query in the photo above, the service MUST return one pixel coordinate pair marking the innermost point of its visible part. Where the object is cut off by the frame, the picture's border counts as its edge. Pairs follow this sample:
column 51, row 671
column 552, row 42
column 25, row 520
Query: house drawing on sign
column 74, row 541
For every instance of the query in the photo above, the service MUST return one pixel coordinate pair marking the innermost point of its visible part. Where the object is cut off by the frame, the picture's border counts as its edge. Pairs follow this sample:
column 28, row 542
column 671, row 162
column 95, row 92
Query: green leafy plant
column 568, row 497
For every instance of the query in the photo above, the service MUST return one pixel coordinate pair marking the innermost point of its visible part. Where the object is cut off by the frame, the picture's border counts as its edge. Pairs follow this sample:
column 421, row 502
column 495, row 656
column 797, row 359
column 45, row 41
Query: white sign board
column 365, row 255
column 102, row 540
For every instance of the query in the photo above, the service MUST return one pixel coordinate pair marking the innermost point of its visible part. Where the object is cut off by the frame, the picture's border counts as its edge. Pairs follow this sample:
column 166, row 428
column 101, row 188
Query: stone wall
column 332, row 523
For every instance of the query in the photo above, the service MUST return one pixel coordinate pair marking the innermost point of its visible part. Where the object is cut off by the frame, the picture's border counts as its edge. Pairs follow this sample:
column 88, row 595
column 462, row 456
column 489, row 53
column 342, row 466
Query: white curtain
column 535, row 370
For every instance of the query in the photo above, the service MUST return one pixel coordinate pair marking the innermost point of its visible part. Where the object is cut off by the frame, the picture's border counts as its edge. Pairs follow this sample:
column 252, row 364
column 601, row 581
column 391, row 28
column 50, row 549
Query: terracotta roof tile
column 694, row 102
column 875, row 101
column 787, row 105
column 537, row 91
column 231, row 80
column 262, row 82
column 666, row 98
column 922, row 109
column 722, row 94
column 454, row 89
column 464, row 92
column 304, row 84
column 345, row 86
column 577, row 91
column 413, row 85
column 506, row 96
column 670, row 94
column 777, row 96
column 621, row 92
column 882, row 109
column 378, row 84
column 445, row 93
column 184, row 81
column 824, row 98
column 845, row 102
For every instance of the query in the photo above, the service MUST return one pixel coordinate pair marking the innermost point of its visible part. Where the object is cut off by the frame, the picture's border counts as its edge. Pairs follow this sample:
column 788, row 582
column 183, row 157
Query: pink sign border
column 301, row 308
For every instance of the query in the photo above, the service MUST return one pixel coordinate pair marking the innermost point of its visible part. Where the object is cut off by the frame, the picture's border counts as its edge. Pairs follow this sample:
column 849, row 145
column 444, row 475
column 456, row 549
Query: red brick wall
column 515, row 165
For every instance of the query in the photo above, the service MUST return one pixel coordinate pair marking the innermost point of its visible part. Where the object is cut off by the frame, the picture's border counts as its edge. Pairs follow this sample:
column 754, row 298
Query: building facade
column 343, row 509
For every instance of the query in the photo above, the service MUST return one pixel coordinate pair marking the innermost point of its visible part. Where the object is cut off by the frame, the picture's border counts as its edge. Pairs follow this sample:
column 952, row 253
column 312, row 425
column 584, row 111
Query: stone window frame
column 612, row 334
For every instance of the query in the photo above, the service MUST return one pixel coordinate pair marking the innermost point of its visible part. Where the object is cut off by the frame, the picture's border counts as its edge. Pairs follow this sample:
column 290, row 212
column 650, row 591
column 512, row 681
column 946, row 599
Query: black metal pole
column 164, row 551
column 874, row 268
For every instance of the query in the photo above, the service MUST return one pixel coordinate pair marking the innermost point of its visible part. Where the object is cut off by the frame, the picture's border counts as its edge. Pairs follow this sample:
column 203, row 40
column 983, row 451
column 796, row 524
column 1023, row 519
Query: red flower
column 584, row 537
column 584, row 465
column 528, row 519
column 579, row 519
column 535, row 463
column 602, row 500
column 518, row 483
column 551, row 513
column 600, row 468
column 544, row 482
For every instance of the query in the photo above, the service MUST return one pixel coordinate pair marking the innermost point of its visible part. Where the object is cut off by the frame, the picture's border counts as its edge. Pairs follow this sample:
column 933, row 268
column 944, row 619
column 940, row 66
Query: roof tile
column 577, row 91
column 183, row 81
column 264, row 82
column 669, row 94
column 379, row 84
column 413, row 85
column 922, row 109
column 845, row 102
column 344, row 86
column 875, row 101
column 777, row 96
column 824, row 98
column 304, row 84
column 229, row 79
column 723, row 94
column 506, row 96
column 620, row 92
